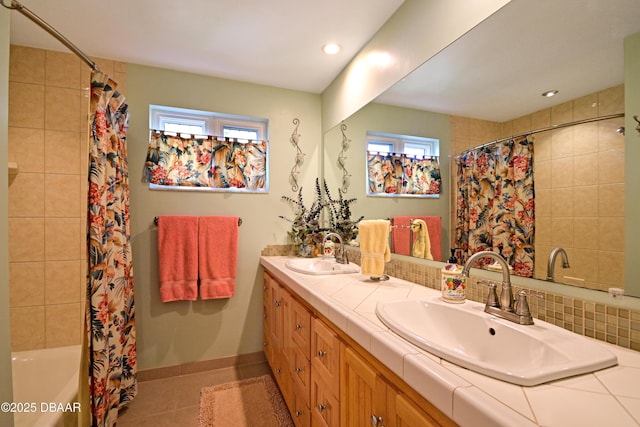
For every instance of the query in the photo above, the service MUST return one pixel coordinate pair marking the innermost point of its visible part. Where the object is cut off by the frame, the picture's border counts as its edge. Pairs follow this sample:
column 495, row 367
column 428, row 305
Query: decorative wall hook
column 299, row 159
column 638, row 121
column 342, row 158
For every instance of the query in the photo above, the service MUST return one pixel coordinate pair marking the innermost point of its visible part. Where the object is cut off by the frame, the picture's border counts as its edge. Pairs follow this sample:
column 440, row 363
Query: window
column 191, row 149
column 402, row 166
column 199, row 123
column 402, row 144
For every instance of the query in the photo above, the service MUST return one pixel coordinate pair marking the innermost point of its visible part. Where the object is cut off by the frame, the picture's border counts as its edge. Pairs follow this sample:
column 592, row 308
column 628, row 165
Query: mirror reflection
column 579, row 171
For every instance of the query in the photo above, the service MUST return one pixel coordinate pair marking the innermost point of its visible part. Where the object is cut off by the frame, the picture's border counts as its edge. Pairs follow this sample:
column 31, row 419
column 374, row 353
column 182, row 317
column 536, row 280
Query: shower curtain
column 110, row 311
column 495, row 203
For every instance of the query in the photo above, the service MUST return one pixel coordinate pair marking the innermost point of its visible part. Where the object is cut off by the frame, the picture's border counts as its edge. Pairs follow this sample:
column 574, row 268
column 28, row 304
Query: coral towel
column 218, row 255
column 401, row 236
column 374, row 246
column 178, row 258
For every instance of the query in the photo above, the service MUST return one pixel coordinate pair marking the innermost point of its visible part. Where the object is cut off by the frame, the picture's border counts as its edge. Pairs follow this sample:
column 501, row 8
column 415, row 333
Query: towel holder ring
column 155, row 221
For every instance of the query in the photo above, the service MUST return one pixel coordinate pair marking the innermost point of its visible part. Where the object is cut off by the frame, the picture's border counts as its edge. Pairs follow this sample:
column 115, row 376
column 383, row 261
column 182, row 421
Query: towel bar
column 155, row 221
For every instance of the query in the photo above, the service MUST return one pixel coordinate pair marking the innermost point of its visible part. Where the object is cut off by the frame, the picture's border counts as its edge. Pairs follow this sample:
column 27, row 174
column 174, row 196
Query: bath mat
column 254, row 402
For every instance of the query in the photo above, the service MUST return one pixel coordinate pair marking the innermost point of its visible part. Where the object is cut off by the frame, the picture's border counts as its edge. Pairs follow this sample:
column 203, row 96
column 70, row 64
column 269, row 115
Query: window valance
column 206, row 162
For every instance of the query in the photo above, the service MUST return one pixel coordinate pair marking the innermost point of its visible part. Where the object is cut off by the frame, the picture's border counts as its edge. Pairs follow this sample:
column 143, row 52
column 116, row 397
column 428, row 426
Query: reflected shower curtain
column 110, row 313
column 495, row 203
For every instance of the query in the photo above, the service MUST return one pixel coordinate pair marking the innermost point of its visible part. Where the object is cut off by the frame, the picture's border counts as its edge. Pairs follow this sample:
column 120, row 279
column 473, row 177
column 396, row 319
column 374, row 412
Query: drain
column 492, row 331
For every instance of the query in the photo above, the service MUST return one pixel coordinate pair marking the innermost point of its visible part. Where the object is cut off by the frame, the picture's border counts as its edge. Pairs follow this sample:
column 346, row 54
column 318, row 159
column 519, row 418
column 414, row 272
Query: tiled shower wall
column 579, row 184
column 48, row 134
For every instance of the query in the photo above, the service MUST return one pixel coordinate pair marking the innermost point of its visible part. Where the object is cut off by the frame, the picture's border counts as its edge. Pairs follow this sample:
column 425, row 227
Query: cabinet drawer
column 300, row 412
column 325, row 408
column 300, row 369
column 325, row 354
column 300, row 326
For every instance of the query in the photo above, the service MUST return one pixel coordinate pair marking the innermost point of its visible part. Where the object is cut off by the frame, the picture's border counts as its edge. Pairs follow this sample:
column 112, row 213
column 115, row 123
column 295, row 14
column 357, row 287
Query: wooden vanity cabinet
column 370, row 399
column 326, row 378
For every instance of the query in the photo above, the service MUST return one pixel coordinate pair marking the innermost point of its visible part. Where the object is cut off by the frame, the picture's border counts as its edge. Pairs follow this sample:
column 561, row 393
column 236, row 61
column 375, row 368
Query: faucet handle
column 522, row 304
column 492, row 299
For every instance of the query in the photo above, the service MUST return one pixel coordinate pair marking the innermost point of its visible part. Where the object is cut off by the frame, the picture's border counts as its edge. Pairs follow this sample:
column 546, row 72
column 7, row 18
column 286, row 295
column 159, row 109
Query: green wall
column 181, row 332
column 6, row 393
column 389, row 119
column 632, row 156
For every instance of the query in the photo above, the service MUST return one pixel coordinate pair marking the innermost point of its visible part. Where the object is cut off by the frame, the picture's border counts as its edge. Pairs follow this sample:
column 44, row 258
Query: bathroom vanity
column 337, row 364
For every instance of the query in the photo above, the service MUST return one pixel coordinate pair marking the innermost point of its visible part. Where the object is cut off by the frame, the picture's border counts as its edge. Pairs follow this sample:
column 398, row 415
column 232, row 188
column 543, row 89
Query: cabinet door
column 404, row 413
column 363, row 392
column 325, row 354
column 278, row 301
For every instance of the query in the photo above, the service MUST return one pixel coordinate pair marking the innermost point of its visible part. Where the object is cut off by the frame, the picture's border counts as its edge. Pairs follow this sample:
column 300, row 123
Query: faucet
column 340, row 254
column 505, row 306
column 552, row 262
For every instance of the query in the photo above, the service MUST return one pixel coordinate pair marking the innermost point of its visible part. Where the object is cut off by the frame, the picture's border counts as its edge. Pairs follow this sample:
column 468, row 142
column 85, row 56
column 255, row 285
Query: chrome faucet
column 551, row 264
column 505, row 306
column 340, row 253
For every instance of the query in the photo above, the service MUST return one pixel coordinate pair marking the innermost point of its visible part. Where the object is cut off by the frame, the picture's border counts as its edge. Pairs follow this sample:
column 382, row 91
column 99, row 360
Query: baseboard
column 200, row 366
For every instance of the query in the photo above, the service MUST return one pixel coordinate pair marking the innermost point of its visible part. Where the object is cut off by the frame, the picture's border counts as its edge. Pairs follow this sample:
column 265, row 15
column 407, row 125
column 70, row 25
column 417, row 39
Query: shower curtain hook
column 637, row 120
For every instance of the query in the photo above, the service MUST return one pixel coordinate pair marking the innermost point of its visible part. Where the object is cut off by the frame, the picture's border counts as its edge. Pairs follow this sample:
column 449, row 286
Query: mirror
column 432, row 107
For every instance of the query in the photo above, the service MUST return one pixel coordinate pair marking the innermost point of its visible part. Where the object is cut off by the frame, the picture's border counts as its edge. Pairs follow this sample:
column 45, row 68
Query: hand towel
column 178, row 258
column 401, row 236
column 421, row 247
column 217, row 255
column 374, row 246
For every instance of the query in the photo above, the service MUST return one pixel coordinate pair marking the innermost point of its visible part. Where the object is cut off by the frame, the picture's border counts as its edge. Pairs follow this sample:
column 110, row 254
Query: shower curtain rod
column 15, row 5
column 563, row 125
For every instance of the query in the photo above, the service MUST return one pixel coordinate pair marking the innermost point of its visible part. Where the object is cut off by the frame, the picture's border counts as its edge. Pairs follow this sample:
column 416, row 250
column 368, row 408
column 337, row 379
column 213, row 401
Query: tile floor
column 174, row 401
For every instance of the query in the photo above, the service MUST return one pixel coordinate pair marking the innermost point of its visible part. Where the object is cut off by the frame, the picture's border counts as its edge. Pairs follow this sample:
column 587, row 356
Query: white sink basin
column 467, row 336
column 321, row 266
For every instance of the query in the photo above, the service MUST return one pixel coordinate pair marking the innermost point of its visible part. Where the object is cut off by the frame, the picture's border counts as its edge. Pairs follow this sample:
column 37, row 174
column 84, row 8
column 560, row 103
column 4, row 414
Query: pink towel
column 217, row 255
column 400, row 236
column 178, row 257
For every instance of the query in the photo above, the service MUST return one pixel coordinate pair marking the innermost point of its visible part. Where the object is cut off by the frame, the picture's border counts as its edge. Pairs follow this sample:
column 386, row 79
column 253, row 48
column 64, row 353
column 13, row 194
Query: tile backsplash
column 605, row 323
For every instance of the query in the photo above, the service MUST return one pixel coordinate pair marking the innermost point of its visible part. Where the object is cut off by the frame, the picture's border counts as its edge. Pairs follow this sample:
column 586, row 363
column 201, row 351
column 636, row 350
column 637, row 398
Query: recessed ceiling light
column 331, row 48
column 549, row 93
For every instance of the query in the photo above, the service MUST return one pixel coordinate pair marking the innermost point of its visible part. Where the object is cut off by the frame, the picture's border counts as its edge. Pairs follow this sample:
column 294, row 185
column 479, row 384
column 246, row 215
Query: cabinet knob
column 264, row 344
column 298, row 370
column 298, row 326
column 276, row 303
column 278, row 371
column 298, row 412
column 322, row 353
column 375, row 420
column 321, row 407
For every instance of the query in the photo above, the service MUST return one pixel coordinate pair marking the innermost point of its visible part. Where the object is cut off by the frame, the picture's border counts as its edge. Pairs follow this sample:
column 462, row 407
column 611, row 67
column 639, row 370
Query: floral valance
column 399, row 174
column 206, row 162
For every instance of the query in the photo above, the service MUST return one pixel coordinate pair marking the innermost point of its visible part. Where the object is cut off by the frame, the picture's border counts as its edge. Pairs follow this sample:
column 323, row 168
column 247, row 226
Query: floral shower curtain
column 495, row 203
column 391, row 173
column 110, row 313
column 205, row 162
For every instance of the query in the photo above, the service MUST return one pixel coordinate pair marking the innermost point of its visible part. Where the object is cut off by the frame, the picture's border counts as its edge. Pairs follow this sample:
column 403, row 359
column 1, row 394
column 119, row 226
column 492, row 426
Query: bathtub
column 45, row 386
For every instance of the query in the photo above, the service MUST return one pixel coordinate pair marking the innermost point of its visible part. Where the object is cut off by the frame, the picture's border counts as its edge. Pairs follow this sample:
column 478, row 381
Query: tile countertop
column 607, row 397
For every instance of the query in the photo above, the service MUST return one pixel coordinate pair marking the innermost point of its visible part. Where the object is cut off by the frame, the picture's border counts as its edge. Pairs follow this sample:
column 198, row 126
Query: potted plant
column 340, row 216
column 306, row 229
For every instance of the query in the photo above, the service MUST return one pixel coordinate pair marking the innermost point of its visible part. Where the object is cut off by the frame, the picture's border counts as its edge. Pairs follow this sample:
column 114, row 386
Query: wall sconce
column 299, row 159
column 342, row 158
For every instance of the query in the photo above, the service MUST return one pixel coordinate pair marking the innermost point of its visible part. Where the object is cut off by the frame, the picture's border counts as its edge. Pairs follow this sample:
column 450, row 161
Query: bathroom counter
column 607, row 397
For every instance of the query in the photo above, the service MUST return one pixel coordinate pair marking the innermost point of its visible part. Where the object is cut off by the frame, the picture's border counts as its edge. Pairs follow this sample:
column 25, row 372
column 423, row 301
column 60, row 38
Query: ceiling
column 271, row 42
column 497, row 71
